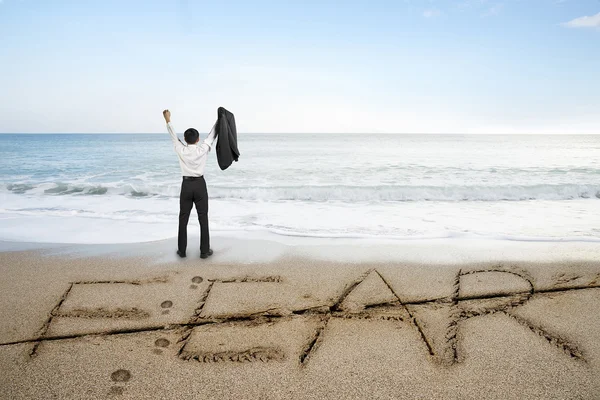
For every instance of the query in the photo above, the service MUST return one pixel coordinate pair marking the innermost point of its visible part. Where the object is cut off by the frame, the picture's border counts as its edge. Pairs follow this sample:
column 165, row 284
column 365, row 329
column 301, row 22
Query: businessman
column 192, row 160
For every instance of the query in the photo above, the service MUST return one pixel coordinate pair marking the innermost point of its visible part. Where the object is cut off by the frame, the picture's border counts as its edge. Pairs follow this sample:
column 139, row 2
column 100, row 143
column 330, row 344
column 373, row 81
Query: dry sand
column 95, row 327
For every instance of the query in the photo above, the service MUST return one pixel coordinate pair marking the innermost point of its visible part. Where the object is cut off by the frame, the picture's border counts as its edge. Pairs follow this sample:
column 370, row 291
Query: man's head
column 191, row 136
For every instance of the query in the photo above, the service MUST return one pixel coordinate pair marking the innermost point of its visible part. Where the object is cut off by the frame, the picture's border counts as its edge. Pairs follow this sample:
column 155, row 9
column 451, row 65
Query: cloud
column 486, row 8
column 584, row 22
column 431, row 13
column 493, row 11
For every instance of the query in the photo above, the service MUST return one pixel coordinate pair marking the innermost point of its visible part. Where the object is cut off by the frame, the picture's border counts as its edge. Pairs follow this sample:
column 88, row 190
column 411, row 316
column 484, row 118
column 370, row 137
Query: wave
column 441, row 236
column 128, row 189
column 338, row 193
column 410, row 193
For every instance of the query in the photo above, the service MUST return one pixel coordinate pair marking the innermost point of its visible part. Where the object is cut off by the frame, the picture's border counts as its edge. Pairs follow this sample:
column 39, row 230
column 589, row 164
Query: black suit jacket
column 227, row 150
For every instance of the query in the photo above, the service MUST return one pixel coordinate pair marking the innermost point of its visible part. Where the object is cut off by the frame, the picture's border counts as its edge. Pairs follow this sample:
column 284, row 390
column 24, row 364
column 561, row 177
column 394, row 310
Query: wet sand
column 82, row 326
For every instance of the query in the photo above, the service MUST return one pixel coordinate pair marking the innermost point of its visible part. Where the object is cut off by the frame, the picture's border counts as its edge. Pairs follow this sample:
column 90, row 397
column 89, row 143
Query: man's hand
column 167, row 115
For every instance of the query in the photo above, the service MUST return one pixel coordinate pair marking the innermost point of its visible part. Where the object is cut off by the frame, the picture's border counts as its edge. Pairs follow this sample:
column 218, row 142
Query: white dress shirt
column 192, row 157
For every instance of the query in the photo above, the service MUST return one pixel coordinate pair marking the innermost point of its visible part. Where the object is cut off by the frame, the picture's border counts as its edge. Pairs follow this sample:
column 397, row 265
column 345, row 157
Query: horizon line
column 305, row 133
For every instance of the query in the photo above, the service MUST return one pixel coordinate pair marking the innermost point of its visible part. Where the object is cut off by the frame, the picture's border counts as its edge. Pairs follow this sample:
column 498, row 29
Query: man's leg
column 201, row 201
column 185, row 206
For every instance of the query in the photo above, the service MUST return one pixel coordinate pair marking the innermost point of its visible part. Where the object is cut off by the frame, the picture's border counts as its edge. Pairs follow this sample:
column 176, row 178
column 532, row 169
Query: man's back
column 192, row 157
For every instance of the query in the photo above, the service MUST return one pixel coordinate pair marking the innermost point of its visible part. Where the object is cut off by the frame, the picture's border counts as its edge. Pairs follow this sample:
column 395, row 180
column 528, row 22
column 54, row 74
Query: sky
column 345, row 66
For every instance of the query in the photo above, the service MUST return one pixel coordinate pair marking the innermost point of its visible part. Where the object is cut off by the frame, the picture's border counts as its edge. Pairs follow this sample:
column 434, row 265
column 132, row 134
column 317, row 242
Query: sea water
column 84, row 188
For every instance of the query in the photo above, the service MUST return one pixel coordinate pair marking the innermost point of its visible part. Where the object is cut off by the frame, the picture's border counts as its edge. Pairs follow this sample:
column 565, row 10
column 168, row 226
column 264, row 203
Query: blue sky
column 408, row 66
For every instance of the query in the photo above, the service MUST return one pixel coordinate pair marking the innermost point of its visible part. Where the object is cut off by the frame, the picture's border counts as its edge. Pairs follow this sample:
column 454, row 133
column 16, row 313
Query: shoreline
column 260, row 247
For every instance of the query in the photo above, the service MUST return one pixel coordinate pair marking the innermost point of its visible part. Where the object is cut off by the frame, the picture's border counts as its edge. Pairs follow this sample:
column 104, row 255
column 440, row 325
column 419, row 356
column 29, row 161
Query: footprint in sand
column 116, row 391
column 197, row 279
column 119, row 376
column 193, row 287
column 162, row 342
column 166, row 304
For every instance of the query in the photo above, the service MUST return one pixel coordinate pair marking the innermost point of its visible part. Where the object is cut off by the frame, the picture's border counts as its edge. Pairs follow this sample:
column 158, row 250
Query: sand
column 83, row 324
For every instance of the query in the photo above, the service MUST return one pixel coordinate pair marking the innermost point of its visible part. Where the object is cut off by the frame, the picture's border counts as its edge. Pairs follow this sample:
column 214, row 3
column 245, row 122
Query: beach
column 281, row 318
column 438, row 267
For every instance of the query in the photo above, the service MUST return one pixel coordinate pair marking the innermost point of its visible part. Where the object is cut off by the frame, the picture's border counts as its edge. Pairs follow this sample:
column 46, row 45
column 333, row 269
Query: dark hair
column 191, row 136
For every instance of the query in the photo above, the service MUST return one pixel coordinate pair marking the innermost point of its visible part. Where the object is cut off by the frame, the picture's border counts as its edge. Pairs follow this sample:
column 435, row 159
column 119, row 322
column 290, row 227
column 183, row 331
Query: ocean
column 123, row 188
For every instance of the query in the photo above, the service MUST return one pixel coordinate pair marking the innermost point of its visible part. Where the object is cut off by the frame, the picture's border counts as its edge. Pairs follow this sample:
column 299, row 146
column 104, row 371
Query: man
column 192, row 160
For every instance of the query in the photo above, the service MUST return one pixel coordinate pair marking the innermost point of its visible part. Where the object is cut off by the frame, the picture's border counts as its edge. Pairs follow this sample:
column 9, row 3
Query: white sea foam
column 105, row 219
column 342, row 193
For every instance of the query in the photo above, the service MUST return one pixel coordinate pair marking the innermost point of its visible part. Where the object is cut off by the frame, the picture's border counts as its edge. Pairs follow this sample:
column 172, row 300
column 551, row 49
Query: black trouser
column 193, row 191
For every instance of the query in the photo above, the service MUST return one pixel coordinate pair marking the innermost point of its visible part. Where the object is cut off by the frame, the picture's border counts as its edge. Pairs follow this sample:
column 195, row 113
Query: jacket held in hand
column 227, row 150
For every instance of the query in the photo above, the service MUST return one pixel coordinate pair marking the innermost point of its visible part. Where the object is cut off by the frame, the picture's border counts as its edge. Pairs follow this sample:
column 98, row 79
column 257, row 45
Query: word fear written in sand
column 212, row 334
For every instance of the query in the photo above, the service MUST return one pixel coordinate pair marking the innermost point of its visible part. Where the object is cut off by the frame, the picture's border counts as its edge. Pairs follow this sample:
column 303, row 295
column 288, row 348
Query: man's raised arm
column 176, row 142
column 210, row 138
